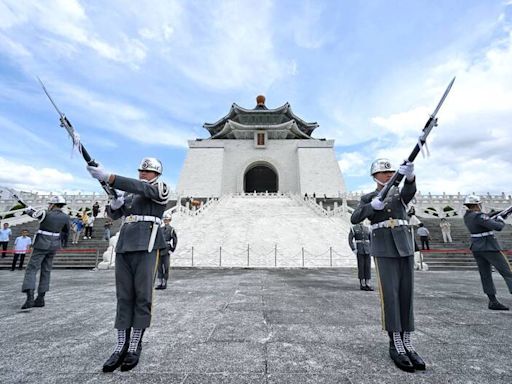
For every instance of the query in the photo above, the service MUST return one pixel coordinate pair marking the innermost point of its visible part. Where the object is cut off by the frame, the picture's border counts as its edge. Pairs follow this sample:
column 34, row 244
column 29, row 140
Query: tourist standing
column 5, row 234
column 138, row 247
column 21, row 248
column 446, row 230
column 486, row 249
column 424, row 235
column 392, row 248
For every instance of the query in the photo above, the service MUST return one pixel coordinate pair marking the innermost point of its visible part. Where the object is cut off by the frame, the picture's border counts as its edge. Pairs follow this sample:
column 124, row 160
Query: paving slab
column 255, row 326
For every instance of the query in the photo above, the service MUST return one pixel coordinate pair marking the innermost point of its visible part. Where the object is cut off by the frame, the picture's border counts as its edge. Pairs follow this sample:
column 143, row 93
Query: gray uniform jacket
column 140, row 198
column 359, row 238
column 479, row 222
column 54, row 221
column 388, row 242
column 171, row 239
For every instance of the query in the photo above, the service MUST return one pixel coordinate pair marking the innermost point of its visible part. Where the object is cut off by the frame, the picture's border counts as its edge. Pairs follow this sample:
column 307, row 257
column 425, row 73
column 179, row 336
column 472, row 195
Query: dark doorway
column 260, row 179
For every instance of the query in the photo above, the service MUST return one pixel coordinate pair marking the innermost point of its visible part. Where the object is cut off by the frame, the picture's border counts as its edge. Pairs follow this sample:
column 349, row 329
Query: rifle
column 431, row 123
column 13, row 194
column 65, row 123
column 504, row 213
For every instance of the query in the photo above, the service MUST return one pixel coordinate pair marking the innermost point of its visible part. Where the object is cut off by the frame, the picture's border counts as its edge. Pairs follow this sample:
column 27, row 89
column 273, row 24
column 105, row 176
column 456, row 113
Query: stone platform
column 254, row 326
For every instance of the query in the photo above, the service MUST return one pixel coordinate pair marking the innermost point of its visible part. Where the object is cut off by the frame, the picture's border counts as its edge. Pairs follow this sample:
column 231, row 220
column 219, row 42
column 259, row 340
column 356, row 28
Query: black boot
column 416, row 360
column 398, row 354
column 159, row 286
column 29, row 303
column 39, row 302
column 131, row 359
column 164, row 283
column 116, row 359
column 132, row 356
column 497, row 306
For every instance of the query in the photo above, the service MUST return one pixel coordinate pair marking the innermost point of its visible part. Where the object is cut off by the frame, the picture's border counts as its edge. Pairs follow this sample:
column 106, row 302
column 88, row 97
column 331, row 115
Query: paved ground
column 254, row 326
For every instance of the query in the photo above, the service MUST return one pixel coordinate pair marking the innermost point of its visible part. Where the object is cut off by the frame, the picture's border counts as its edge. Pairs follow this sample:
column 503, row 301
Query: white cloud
column 26, row 177
column 353, row 164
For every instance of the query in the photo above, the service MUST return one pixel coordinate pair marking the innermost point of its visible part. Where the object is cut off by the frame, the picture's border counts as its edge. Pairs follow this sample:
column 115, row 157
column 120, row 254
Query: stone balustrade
column 447, row 205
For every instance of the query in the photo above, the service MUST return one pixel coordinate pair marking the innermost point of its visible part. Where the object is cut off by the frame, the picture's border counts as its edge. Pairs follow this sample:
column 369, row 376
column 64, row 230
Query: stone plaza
column 255, row 326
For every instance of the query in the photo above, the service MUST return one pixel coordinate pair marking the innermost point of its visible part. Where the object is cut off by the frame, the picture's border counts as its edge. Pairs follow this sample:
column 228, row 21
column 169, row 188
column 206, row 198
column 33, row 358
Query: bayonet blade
column 51, row 100
column 442, row 98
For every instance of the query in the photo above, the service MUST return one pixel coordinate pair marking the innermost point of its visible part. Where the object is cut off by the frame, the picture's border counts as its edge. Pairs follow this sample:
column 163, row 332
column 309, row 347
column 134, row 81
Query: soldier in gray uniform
column 392, row 248
column 486, row 249
column 140, row 242
column 46, row 243
column 359, row 240
column 171, row 239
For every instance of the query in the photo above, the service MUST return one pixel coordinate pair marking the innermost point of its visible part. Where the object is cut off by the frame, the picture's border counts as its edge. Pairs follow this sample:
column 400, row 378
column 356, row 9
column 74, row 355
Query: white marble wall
column 217, row 167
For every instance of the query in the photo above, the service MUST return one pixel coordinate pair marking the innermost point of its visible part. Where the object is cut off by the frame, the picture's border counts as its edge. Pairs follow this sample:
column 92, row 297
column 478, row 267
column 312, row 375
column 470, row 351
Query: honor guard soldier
column 486, row 249
column 392, row 248
column 140, row 241
column 359, row 240
column 171, row 239
column 47, row 241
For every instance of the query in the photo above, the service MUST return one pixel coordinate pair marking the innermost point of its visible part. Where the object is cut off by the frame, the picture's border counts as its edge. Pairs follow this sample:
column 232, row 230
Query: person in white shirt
column 5, row 233
column 21, row 248
column 424, row 235
column 445, row 230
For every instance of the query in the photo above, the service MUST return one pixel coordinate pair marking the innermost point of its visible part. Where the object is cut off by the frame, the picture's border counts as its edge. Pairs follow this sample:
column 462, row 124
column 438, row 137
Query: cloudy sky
column 138, row 80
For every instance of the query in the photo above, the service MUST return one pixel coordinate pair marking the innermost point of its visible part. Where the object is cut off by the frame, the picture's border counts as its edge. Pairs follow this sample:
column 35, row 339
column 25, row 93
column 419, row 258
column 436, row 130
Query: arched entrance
column 260, row 178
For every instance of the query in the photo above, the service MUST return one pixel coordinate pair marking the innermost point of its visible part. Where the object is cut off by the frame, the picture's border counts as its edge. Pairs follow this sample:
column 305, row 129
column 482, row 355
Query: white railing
column 188, row 211
column 337, row 211
column 447, row 205
column 248, row 257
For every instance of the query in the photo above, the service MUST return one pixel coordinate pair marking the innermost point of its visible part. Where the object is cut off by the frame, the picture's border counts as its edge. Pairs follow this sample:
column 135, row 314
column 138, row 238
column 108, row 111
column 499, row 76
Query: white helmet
column 57, row 199
column 472, row 199
column 151, row 164
column 381, row 165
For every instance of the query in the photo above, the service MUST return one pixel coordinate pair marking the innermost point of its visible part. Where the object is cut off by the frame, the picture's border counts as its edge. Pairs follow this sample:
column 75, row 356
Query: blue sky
column 140, row 80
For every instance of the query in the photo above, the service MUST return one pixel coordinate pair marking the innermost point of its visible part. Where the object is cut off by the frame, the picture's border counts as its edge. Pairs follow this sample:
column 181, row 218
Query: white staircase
column 261, row 231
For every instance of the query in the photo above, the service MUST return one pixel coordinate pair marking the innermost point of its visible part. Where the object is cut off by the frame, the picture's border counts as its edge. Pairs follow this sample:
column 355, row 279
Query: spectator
column 424, row 235
column 64, row 236
column 413, row 220
column 21, row 247
column 445, row 230
column 89, row 226
column 95, row 209
column 5, row 233
column 76, row 228
column 107, row 226
column 85, row 221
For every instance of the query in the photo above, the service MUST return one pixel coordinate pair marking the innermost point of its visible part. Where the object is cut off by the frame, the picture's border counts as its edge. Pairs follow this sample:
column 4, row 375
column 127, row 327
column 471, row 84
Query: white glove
column 407, row 170
column 28, row 209
column 500, row 218
column 117, row 202
column 355, row 251
column 377, row 204
column 98, row 173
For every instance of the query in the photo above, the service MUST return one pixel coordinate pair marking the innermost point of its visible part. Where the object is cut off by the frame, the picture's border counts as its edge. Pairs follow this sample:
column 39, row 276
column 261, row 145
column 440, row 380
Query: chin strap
column 379, row 182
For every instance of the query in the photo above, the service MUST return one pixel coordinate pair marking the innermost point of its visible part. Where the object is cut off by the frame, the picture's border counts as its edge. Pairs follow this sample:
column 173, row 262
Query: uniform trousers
column 135, row 276
column 396, row 285
column 486, row 259
column 40, row 259
column 163, row 266
column 363, row 266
